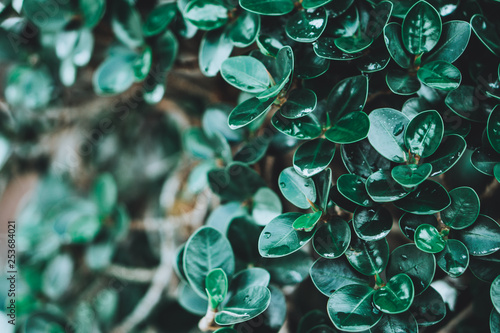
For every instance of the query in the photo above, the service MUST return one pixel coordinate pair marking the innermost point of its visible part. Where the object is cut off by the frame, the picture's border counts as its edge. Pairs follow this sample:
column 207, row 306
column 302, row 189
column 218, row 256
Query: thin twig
column 131, row 274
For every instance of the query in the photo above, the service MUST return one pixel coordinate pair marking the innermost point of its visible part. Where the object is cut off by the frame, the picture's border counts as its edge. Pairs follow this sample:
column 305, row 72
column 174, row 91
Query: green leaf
column 323, row 183
column 464, row 102
column 428, row 239
column 401, row 82
column 191, row 301
column 394, row 43
column 308, row 4
column 396, row 296
column 486, row 268
column 353, row 44
column 414, row 106
column 249, row 277
column 421, row 28
column 424, row 133
column 313, row 156
column 307, row 222
column 396, row 323
column 299, row 103
column 453, row 42
column 206, row 14
column 352, row 127
column 158, row 19
column 312, row 319
column 428, row 315
column 376, row 60
column 482, row 237
column 493, row 128
column 206, row 250
column 409, row 222
column 126, row 24
column 325, row 47
column 349, row 95
column 362, row 159
column 454, row 259
column 496, row 172
column 368, row 258
column 332, row 239
column 305, row 26
column 495, row 321
column 382, row 188
column 386, row 135
column 486, row 33
column 105, row 193
column 28, row 88
column 243, row 32
column 314, row 67
column 495, row 293
column 249, row 111
column 215, row 47
column 409, row 175
column 245, row 73
column 254, row 150
column 329, row 275
column 447, row 155
column 243, row 306
column 57, row 276
column 350, row 308
column 216, row 287
column 279, row 238
column 268, row 7
column 418, row 265
column 371, row 224
column 353, row 188
column 298, row 190
column 49, row 17
column 307, row 127
column 266, row 206
column 430, row 197
column 289, row 270
column 236, row 182
column 464, row 208
column 378, row 18
column 440, row 75
column 484, row 160
column 92, row 11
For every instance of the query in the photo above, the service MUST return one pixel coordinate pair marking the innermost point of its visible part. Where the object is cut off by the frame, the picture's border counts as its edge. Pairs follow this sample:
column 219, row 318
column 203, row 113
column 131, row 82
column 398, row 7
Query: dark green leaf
column 454, row 259
column 421, row 28
column 414, row 106
column 424, row 133
column 396, row 296
column 249, row 277
column 353, row 188
column 409, row 222
column 401, row 82
column 342, row 202
column 299, row 103
column 307, row 127
column 332, row 238
column 92, row 11
column 486, row 33
column 378, row 19
column 266, row 206
column 206, row 250
column 288, row 270
column 158, row 19
column 428, row 239
column 482, row 237
column 430, row 197
column 382, row 188
column 215, row 47
column 236, row 182
column 249, row 111
column 245, row 73
column 368, row 258
column 353, row 44
column 447, row 155
column 418, row 265
column 453, row 42
column 126, row 24
column 279, row 238
column 306, row 25
column 347, row 96
column 314, row 4
column 495, row 321
column 495, row 293
column 307, row 222
column 268, row 7
column 314, row 67
column 313, row 157
column 371, row 224
column 362, row 159
column 105, row 193
column 243, row 306
column 350, row 308
column 323, row 181
column 325, row 47
column 243, row 32
column 428, row 308
column 376, row 60
column 298, row 190
column 386, row 135
column 394, row 43
column 440, row 75
column 410, row 175
column 206, row 14
column 464, row 102
column 493, row 128
column 484, row 160
column 464, row 208
column 191, row 301
column 352, row 127
column 399, row 323
column 486, row 268
column 216, row 286
column 312, row 319
column 254, row 150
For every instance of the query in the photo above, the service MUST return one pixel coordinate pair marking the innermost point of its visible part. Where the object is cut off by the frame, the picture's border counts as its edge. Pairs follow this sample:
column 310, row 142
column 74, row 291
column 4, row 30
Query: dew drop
column 404, row 256
column 401, row 268
column 306, row 184
column 267, row 234
column 283, row 185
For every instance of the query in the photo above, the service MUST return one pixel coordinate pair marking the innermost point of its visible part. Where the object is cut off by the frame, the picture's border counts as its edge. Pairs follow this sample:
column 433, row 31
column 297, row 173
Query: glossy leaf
column 428, row 239
column 245, row 73
column 418, row 265
column 396, row 296
column 266, row 206
column 409, row 222
column 325, row 47
column 307, row 222
column 249, row 111
column 414, row 106
column 323, row 181
column 396, row 323
column 381, row 187
column 332, row 239
column 289, row 270
column 352, row 187
column 493, row 128
column 428, row 315
column 482, row 237
column 494, row 321
column 424, row 133
column 377, row 20
column 191, row 301
column 268, row 7
column 447, row 155
column 486, row 33
column 350, row 308
column 430, row 197
column 368, row 258
column 342, row 202
column 440, row 75
column 279, row 238
column 215, row 47
column 464, row 102
column 464, row 208
column 495, row 293
column 307, row 127
column 454, row 259
column 362, row 159
column 158, row 19
column 453, row 42
column 485, row 268
column 206, row 14
column 347, row 96
column 243, row 306
column 236, row 182
column 114, row 75
column 298, row 190
column 313, row 157
column 376, row 60
column 299, row 103
column 216, row 286
column 244, row 30
column 372, row 224
column 410, row 175
column 314, row 67
column 353, row 44
column 386, row 135
column 421, row 28
column 484, row 160
column 394, row 43
column 402, row 83
column 352, row 127
column 306, row 25
column 206, row 250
